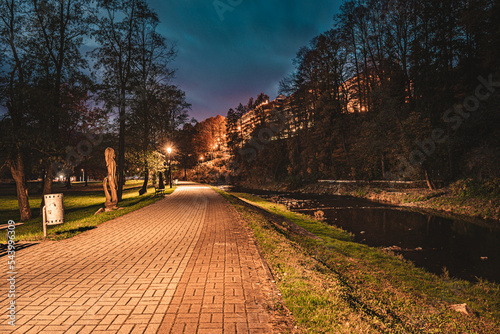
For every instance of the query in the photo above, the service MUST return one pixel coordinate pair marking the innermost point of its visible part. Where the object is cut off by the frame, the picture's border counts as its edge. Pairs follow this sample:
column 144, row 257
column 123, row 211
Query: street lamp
column 169, row 150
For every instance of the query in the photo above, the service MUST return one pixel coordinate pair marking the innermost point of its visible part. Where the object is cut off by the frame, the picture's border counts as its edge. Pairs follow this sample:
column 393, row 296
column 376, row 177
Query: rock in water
column 393, row 248
column 320, row 215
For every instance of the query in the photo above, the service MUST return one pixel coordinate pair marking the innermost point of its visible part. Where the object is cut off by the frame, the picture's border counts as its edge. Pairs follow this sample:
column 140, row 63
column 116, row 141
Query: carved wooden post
column 111, row 199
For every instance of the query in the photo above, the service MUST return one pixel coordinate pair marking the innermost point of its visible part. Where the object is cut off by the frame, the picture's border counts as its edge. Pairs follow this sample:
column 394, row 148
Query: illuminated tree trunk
column 16, row 166
column 144, row 188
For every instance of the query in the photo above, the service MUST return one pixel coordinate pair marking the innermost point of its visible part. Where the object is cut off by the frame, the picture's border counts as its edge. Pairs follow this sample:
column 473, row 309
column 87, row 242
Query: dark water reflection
column 466, row 249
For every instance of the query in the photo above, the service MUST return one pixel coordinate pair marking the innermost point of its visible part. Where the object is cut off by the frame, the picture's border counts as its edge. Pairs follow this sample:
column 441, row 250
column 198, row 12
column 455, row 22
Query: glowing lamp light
column 169, row 150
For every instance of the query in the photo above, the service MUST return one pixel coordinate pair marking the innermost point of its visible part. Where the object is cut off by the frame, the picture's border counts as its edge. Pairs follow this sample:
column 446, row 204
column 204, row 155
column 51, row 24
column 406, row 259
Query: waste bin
column 54, row 209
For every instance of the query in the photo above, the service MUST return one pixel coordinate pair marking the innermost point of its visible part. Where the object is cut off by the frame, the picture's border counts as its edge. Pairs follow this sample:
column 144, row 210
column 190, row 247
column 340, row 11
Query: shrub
column 476, row 188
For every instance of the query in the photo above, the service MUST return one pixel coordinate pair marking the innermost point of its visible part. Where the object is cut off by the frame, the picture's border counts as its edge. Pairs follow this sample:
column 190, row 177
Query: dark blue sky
column 228, row 53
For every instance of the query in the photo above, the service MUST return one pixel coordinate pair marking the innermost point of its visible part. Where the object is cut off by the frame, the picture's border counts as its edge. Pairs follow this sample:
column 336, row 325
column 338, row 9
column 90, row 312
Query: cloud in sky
column 221, row 63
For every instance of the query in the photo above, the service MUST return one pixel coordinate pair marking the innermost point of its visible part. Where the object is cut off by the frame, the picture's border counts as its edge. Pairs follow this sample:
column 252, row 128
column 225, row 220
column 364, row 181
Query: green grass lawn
column 335, row 285
column 80, row 204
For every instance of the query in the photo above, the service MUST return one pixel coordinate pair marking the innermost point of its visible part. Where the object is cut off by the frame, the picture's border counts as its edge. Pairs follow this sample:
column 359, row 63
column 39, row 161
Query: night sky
column 226, row 57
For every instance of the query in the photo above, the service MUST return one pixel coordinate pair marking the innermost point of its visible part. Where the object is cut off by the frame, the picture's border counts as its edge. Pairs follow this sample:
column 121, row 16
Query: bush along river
column 463, row 249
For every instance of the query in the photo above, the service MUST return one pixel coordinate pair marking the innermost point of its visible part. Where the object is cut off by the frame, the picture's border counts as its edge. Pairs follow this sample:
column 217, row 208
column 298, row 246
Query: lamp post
column 169, row 150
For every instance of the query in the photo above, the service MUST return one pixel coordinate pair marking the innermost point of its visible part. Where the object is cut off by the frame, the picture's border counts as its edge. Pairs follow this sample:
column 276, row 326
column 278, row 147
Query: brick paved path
column 184, row 264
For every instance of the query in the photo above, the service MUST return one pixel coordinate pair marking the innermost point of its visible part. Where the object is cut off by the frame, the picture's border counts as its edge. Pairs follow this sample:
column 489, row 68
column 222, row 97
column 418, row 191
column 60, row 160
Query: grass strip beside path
column 334, row 285
column 80, row 206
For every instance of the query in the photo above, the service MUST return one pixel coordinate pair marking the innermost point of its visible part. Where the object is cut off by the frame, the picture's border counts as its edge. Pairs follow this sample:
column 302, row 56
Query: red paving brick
column 186, row 264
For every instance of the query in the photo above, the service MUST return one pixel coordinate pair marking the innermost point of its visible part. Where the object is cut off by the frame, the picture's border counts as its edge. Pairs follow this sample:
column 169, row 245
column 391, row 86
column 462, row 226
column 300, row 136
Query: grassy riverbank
column 333, row 285
column 465, row 197
column 80, row 204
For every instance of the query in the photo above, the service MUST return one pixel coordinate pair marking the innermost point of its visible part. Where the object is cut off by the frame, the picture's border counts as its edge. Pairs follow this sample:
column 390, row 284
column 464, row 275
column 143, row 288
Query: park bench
column 159, row 191
column 6, row 226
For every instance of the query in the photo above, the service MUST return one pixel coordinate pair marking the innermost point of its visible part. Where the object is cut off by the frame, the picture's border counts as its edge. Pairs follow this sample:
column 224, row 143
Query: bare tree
column 118, row 26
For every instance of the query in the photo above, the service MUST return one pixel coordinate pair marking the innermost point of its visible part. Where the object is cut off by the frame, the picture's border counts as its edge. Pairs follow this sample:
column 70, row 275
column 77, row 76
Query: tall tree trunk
column 451, row 169
column 358, row 75
column 47, row 183
column 344, row 148
column 16, row 166
column 382, row 162
column 144, row 188
column 85, row 173
column 430, row 184
column 43, row 180
column 121, row 146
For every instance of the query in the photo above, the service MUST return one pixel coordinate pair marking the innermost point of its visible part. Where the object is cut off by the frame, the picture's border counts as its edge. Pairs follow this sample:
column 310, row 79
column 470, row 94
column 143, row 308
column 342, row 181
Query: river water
column 467, row 250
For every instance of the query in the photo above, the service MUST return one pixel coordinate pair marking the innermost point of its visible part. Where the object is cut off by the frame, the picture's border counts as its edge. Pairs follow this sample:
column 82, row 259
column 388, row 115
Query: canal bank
column 466, row 198
column 463, row 248
column 332, row 284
